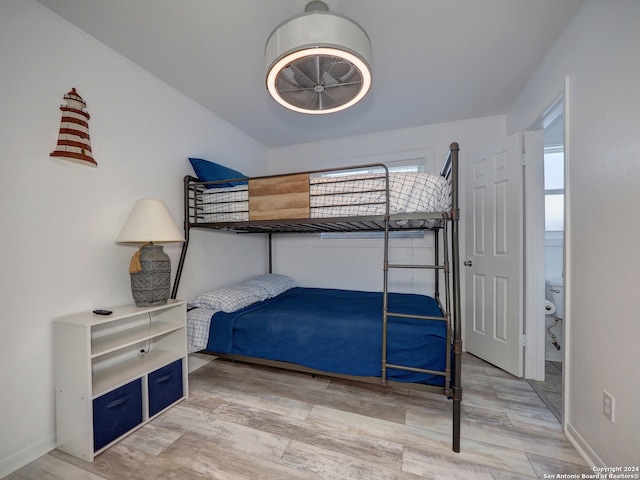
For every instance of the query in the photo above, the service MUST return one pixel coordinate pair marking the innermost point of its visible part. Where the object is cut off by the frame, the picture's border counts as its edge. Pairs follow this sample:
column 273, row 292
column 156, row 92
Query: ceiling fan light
column 318, row 63
column 278, row 67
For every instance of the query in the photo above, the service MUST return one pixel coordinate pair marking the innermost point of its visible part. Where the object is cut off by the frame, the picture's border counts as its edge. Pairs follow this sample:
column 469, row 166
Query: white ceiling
column 434, row 61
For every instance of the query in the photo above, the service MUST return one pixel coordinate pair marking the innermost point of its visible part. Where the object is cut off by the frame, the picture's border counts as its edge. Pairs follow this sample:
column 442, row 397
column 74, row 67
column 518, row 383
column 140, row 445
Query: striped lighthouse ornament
column 73, row 139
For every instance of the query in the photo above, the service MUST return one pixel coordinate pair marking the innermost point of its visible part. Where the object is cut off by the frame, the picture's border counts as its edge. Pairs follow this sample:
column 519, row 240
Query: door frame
column 566, row 366
column 534, row 254
column 534, row 270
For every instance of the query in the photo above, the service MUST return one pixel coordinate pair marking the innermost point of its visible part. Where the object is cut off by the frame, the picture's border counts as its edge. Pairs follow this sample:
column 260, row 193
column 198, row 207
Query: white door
column 493, row 263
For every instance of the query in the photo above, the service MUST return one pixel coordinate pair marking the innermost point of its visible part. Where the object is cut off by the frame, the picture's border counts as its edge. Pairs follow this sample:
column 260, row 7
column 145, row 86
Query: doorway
column 523, row 330
column 550, row 389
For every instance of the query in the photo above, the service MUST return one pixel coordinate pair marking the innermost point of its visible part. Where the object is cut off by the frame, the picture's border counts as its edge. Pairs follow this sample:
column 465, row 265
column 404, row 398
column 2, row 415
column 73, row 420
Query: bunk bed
column 401, row 340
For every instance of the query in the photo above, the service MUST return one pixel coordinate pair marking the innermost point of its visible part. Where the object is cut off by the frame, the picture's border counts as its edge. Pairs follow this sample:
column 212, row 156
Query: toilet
column 554, row 293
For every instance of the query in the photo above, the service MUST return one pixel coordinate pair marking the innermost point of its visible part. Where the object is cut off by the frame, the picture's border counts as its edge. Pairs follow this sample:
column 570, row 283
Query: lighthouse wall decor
column 73, row 139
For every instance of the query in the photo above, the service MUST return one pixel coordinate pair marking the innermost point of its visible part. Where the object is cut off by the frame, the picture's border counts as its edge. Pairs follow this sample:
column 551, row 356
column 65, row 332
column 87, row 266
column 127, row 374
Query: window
column 412, row 165
column 409, row 166
column 554, row 189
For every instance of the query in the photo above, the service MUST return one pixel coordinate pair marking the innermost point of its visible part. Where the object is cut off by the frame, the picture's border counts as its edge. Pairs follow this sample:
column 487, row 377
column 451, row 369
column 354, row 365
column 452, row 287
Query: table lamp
column 150, row 222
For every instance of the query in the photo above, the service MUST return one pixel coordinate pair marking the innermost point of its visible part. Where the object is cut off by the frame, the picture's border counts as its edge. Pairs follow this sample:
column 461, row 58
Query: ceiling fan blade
column 319, row 82
column 341, row 71
column 342, row 93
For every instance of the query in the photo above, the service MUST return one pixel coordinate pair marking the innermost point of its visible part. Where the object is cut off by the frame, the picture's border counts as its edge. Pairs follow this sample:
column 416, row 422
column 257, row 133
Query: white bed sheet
column 351, row 196
column 198, row 323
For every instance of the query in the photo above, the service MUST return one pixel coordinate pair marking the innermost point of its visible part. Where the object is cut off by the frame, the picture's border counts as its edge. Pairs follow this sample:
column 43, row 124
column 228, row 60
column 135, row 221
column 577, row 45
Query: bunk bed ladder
column 449, row 267
column 438, row 267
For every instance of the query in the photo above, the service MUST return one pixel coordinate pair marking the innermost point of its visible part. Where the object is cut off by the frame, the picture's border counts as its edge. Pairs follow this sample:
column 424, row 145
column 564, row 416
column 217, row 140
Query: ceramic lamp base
column 150, row 287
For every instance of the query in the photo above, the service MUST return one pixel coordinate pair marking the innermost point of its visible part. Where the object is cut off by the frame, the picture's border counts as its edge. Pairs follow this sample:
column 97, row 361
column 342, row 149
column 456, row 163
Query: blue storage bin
column 165, row 387
column 116, row 412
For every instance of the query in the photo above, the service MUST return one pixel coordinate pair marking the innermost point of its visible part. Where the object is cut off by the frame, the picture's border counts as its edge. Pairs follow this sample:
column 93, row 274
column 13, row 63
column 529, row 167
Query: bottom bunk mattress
column 336, row 331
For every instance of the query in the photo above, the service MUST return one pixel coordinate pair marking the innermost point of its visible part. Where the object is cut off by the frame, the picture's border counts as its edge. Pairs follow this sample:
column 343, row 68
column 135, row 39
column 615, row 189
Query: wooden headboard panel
column 280, row 197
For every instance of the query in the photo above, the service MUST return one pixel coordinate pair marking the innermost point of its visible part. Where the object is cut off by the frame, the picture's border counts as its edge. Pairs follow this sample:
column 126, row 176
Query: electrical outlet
column 608, row 405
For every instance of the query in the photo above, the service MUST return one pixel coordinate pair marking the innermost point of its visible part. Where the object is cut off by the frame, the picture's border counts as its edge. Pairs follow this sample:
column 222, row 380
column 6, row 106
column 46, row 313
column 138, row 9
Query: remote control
column 102, row 312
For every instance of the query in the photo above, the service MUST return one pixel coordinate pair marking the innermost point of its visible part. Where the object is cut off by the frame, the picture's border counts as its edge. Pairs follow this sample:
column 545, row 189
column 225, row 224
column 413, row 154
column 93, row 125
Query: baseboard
column 583, row 448
column 23, row 457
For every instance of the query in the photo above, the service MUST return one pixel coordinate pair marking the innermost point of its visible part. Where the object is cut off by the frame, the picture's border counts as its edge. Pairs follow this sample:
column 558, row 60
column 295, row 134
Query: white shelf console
column 115, row 373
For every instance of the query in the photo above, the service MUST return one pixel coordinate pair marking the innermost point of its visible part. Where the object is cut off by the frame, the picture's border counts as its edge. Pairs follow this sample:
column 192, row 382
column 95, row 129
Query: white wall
column 60, row 219
column 357, row 264
column 554, row 254
column 598, row 51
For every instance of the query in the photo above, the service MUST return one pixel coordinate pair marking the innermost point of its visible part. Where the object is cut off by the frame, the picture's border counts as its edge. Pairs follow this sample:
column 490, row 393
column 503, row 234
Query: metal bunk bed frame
column 446, row 224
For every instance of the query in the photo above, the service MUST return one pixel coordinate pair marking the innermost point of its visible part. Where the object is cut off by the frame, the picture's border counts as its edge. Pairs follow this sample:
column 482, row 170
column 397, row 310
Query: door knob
column 468, row 263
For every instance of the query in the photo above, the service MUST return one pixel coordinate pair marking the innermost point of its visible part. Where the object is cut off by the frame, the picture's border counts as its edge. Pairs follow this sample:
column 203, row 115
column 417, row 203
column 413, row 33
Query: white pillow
column 230, row 299
column 273, row 283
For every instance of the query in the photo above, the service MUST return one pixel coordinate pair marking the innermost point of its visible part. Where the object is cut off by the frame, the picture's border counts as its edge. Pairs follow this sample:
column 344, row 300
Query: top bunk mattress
column 349, row 195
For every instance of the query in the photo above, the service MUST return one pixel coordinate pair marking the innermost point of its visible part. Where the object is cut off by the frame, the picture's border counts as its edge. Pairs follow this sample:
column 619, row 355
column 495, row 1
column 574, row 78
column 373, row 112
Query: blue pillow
column 209, row 171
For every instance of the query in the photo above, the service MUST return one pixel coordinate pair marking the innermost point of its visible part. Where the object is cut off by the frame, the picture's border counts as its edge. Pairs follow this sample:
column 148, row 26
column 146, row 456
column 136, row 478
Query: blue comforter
column 338, row 331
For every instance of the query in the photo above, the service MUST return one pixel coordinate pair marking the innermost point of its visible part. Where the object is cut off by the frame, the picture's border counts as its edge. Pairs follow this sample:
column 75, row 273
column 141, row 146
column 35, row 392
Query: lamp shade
column 150, row 221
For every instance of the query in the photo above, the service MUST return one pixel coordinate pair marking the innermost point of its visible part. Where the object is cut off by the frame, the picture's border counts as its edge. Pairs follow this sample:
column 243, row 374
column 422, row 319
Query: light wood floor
column 247, row 422
column 550, row 390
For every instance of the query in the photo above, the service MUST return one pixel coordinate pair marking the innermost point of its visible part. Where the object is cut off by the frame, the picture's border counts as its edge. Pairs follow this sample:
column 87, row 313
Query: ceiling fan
column 318, row 62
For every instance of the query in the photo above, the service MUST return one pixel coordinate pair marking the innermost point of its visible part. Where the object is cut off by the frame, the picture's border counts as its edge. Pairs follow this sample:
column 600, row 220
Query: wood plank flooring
column 550, row 390
column 249, row 422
